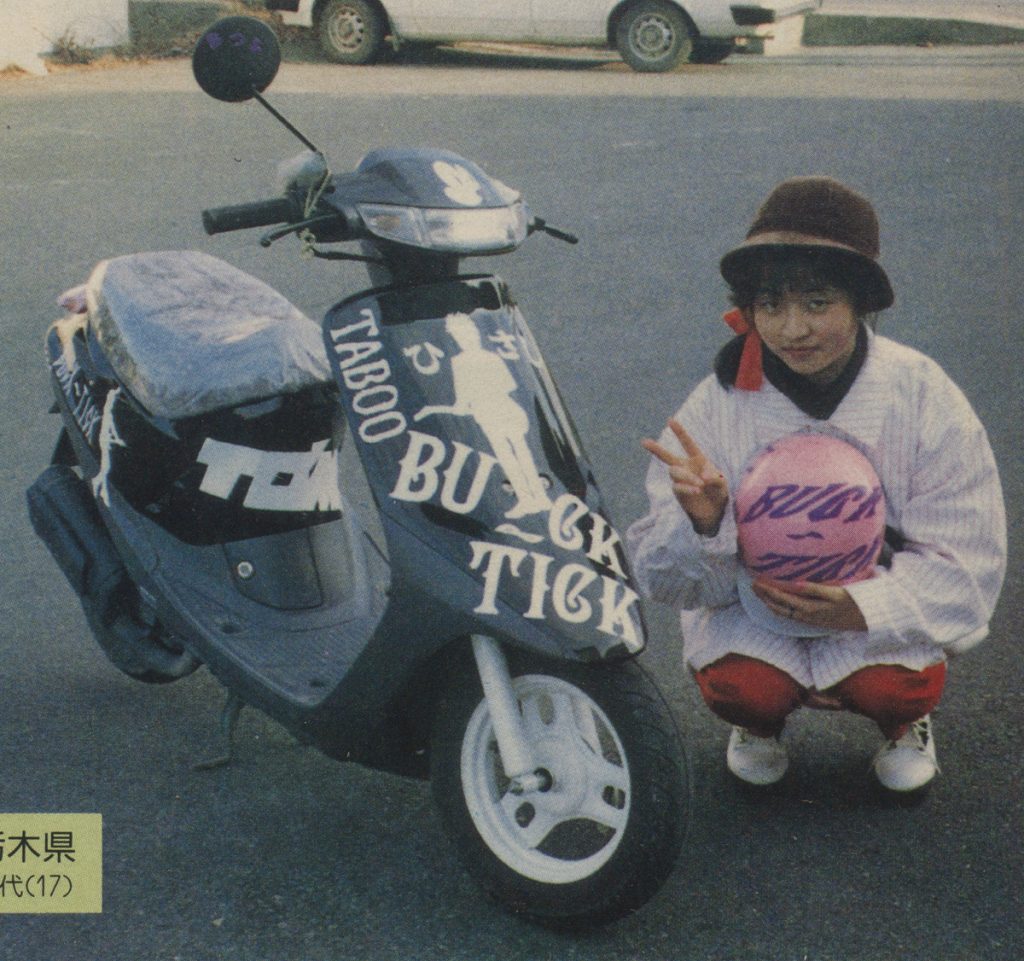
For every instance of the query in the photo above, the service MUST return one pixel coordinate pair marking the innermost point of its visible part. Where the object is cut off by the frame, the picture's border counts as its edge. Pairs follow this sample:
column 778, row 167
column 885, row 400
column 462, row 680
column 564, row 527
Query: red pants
column 755, row 695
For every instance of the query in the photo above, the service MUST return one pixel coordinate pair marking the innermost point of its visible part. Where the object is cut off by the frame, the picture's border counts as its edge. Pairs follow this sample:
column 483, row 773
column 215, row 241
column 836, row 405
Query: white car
column 651, row 35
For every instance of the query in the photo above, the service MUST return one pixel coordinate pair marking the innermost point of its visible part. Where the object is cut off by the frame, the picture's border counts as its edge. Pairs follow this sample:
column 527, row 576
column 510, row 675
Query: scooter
column 480, row 628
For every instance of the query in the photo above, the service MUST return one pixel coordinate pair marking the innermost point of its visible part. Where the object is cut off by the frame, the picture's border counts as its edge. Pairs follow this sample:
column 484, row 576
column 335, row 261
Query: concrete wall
column 29, row 27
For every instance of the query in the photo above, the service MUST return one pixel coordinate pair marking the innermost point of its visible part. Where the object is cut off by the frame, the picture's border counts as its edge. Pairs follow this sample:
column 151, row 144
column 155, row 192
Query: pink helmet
column 810, row 508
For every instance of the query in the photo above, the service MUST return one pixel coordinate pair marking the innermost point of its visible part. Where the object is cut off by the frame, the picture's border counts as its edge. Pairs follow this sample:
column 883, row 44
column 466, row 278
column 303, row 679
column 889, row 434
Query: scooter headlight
column 481, row 230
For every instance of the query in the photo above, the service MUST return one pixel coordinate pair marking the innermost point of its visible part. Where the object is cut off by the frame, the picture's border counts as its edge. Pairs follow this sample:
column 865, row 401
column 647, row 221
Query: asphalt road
column 287, row 856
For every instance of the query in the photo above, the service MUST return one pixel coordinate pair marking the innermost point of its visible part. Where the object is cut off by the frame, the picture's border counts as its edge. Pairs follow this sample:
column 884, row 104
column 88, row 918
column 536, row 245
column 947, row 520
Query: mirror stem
column 284, row 120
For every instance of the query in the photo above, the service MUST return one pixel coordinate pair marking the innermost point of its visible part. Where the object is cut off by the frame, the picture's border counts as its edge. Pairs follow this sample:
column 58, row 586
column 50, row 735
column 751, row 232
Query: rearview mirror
column 236, row 59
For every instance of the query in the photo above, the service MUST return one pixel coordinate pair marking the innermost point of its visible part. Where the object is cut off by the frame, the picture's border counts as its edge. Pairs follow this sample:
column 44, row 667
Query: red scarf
column 750, row 375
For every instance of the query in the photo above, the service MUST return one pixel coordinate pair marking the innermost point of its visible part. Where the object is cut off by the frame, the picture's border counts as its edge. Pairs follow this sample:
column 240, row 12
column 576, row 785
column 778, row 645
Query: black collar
column 819, row 401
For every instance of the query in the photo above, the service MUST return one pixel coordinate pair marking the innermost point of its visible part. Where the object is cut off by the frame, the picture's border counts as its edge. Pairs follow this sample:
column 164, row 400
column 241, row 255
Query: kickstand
column 228, row 722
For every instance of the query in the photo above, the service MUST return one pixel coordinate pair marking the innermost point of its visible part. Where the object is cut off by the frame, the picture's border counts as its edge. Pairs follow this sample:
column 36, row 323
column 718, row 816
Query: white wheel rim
column 569, row 832
column 346, row 29
column 652, row 37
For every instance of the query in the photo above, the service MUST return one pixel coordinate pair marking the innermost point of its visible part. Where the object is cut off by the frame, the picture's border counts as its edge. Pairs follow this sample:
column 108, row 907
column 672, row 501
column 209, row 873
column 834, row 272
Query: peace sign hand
column 699, row 486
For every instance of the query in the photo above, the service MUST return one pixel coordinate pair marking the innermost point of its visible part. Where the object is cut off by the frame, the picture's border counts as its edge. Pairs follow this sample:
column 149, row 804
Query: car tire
column 653, row 36
column 351, row 31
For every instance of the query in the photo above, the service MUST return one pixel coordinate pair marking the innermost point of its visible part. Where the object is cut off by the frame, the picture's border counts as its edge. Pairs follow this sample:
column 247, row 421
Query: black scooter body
column 297, row 612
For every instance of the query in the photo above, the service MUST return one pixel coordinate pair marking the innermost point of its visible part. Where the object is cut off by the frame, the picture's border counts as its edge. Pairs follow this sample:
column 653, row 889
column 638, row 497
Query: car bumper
column 756, row 15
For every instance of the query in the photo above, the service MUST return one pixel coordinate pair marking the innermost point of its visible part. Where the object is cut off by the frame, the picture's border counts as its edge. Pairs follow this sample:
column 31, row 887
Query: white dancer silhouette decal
column 109, row 439
column 483, row 388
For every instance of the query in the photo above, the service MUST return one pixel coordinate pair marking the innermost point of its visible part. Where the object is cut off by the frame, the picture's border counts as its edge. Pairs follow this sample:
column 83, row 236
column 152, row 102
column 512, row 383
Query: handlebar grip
column 260, row 213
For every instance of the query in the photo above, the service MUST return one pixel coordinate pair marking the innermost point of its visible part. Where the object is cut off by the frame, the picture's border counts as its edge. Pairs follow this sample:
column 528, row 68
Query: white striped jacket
column 942, row 493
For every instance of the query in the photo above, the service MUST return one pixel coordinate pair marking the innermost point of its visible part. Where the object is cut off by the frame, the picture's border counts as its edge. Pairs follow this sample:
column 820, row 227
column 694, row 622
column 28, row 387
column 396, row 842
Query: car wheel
column 351, row 31
column 653, row 36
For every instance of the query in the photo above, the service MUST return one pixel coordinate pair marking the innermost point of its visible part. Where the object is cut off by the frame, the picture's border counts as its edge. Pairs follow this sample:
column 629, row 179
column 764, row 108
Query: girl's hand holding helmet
column 819, row 605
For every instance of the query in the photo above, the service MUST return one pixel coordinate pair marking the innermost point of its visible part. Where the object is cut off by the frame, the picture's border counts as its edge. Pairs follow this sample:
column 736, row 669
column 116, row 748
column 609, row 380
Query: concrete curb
column 849, row 30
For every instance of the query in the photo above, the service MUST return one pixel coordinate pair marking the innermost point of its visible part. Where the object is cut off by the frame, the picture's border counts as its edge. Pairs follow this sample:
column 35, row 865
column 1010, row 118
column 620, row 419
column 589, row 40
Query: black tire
column 135, row 642
column 711, row 51
column 351, row 31
column 653, row 36
column 610, row 824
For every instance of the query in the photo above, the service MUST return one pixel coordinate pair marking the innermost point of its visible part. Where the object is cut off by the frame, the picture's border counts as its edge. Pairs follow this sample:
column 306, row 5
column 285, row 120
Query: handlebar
column 330, row 224
column 544, row 227
column 259, row 213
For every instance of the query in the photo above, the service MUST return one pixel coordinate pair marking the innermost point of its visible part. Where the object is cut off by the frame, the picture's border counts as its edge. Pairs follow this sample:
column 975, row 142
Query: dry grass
column 68, row 53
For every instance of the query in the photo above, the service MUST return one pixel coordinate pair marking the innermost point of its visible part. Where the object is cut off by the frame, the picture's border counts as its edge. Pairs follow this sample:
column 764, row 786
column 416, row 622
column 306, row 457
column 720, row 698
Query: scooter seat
column 187, row 333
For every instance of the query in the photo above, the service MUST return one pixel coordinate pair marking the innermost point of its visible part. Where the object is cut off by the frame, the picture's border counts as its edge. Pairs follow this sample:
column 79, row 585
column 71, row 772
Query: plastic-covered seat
column 188, row 334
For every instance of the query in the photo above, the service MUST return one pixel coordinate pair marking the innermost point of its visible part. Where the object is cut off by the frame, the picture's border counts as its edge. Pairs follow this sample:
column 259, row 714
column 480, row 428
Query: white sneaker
column 756, row 760
column 909, row 763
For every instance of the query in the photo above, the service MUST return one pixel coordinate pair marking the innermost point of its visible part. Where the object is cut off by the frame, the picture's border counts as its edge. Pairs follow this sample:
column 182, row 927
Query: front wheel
column 351, row 31
column 653, row 36
column 602, row 833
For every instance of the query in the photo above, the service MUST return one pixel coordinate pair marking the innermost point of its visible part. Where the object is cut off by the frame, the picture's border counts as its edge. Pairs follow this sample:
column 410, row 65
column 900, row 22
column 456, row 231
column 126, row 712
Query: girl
column 804, row 283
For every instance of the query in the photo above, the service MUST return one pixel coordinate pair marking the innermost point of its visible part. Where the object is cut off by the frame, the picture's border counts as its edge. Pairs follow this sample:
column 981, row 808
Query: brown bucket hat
column 816, row 214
